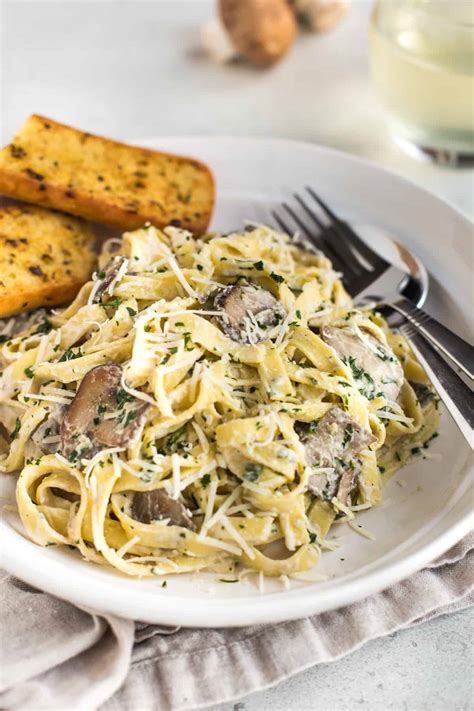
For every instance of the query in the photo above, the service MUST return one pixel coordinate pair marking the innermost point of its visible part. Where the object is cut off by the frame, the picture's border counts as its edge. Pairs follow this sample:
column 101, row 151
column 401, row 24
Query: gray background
column 134, row 69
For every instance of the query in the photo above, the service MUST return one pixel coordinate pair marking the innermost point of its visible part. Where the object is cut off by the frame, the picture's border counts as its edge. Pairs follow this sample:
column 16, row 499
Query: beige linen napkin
column 55, row 656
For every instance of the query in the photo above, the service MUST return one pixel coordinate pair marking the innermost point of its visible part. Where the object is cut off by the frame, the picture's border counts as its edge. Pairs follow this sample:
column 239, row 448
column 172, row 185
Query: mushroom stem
column 216, row 41
column 320, row 15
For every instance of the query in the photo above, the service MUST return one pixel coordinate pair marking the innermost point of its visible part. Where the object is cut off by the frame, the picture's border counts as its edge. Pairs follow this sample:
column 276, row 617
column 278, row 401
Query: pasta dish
column 206, row 404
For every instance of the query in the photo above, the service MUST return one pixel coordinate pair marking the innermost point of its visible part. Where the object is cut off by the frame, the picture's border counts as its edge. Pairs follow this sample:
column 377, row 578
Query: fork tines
column 314, row 219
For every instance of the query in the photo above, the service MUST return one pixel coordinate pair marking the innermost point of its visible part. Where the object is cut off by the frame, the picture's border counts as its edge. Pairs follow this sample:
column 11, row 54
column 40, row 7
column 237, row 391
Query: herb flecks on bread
column 50, row 164
column 45, row 258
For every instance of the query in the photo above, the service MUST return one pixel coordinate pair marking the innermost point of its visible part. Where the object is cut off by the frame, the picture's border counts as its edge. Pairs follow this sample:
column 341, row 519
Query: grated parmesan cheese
column 216, row 543
column 239, row 539
column 383, row 415
column 176, row 469
column 181, row 278
column 201, row 437
column 49, row 398
column 361, row 531
column 339, row 506
column 212, row 520
column 137, row 393
column 126, row 546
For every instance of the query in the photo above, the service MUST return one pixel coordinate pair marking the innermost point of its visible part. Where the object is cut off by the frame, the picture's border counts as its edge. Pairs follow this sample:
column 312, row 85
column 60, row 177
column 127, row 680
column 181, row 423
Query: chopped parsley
column 205, row 480
column 74, row 455
column 385, row 355
column 113, row 303
column 122, row 397
column 258, row 266
column 252, row 471
column 277, row 277
column 70, row 355
column 188, row 346
column 29, row 372
column 16, row 429
column 126, row 417
column 44, row 327
column 131, row 311
column 348, row 432
column 364, row 380
column 174, row 441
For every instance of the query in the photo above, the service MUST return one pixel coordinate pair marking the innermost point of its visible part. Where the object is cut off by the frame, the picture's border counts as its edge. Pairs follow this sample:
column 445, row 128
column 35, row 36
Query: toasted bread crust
column 45, row 258
column 106, row 181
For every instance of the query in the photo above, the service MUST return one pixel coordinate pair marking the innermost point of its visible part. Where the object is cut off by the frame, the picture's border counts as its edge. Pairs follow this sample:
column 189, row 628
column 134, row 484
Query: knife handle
column 453, row 391
column 455, row 348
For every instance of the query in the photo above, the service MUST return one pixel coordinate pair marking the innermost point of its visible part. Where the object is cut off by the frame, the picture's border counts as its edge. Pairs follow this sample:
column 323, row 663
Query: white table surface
column 133, row 69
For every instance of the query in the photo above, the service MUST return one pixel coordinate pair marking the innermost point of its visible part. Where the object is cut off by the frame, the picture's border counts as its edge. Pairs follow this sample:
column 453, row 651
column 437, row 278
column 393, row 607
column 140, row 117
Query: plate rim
column 345, row 155
column 263, row 609
column 107, row 596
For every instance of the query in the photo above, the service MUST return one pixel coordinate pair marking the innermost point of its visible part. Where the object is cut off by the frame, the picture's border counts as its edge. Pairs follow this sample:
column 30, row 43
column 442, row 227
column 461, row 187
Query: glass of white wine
column 422, row 65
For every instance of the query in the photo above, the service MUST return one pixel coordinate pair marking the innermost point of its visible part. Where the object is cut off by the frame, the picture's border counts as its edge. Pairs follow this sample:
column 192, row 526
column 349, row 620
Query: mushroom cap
column 261, row 30
column 241, row 303
column 156, row 505
column 101, row 414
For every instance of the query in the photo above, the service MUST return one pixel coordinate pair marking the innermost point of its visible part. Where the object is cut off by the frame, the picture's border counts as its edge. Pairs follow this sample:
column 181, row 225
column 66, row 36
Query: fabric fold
column 57, row 656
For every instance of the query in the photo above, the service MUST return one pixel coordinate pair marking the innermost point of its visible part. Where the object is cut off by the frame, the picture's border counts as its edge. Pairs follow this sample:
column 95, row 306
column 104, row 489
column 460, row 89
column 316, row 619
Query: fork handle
column 455, row 348
column 453, row 391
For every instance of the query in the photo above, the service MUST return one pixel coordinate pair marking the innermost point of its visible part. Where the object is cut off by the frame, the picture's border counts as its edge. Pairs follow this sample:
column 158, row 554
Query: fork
column 369, row 277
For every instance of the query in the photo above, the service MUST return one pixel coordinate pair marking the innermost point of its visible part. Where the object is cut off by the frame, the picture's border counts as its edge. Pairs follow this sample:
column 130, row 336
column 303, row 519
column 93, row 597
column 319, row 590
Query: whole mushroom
column 261, row 31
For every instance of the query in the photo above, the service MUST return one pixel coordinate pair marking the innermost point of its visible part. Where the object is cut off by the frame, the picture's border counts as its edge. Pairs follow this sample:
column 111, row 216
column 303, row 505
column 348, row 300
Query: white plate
column 417, row 523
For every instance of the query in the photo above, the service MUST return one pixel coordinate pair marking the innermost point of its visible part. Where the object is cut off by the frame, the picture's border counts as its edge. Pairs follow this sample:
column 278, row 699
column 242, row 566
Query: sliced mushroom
column 50, row 427
column 348, row 482
column 11, row 327
column 107, row 276
column 423, row 392
column 375, row 367
column 64, row 494
column 249, row 312
column 333, row 444
column 157, row 505
column 101, row 415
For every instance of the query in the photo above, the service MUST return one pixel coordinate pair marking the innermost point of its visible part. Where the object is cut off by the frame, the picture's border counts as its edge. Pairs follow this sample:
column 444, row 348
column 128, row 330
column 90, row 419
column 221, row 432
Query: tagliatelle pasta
column 204, row 404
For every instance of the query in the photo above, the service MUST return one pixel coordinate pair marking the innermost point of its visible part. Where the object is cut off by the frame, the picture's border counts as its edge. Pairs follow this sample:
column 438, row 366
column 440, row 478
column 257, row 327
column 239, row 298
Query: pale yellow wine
column 422, row 63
